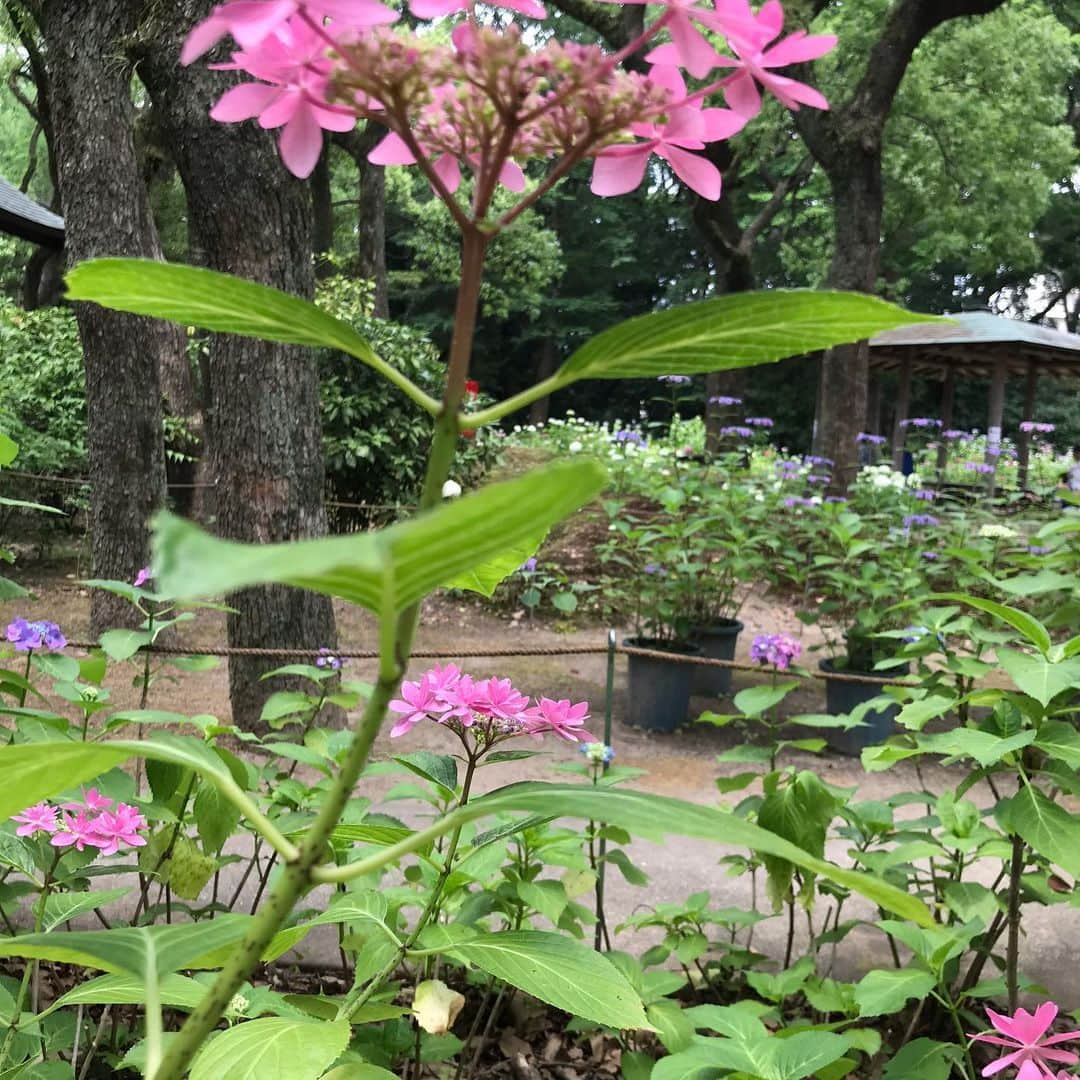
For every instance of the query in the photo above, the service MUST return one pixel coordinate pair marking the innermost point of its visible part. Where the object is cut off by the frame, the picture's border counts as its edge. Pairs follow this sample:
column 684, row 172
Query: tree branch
column 768, row 212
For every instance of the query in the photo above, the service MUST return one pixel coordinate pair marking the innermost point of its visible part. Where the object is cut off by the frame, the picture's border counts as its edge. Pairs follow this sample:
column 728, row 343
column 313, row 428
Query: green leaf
column 215, row 818
column 756, row 700
column 560, row 972
column 1048, row 828
column 1060, row 741
column 985, row 748
column 124, row 644
column 143, row 951
column 175, row 991
column 439, row 769
column 1029, row 626
column 62, row 906
column 879, row 993
column 9, row 450
column 654, row 816
column 1037, row 677
column 384, row 571
column 358, row 1070
column 274, row 1048
column 922, row 1059
column 487, row 577
column 738, row 330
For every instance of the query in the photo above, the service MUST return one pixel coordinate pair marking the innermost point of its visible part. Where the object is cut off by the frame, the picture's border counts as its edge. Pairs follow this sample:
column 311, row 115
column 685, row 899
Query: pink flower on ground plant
column 35, row 819
column 142, row 577
column 76, row 830
column 560, row 718
column 1024, row 1035
column 92, row 800
column 500, row 699
column 419, row 700
column 119, row 827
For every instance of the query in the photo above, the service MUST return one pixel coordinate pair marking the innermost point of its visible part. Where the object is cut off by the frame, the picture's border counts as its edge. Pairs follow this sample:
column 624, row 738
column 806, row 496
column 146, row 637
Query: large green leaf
column 209, row 300
column 487, row 577
column 738, row 330
column 62, row 906
column 559, row 971
column 385, row 571
column 879, row 993
column 1037, row 677
column 175, row 991
column 1060, row 741
column 655, row 816
column 923, row 1059
column 274, row 1048
column 148, row 952
column 1048, row 828
column 1030, row 627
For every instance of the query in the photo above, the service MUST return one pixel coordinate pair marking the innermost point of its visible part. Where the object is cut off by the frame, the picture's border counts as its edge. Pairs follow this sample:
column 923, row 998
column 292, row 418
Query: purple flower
column 723, row 399
column 142, row 577
column 1035, row 549
column 628, row 436
column 983, row 468
column 797, row 500
column 738, row 431
column 811, row 459
column 920, row 520
column 818, row 478
column 925, row 495
column 994, row 451
column 873, row 440
column 327, row 659
column 675, row 380
column 35, row 635
column 956, row 434
column 1029, row 426
column 920, row 422
column 655, row 568
column 780, row 650
column 758, row 421
column 528, row 566
column 836, row 500
column 931, row 556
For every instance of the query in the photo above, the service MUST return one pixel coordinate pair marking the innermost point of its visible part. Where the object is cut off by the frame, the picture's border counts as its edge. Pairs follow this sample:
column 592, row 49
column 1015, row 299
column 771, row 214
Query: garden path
column 682, row 765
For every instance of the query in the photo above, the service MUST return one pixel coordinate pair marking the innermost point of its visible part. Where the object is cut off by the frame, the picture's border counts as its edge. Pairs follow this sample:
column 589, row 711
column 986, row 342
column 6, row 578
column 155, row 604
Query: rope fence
column 613, row 648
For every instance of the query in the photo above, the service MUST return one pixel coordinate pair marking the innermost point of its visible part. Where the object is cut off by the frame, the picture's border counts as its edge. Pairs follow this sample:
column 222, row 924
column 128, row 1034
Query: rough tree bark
column 370, row 211
column 107, row 212
column 848, row 144
column 247, row 216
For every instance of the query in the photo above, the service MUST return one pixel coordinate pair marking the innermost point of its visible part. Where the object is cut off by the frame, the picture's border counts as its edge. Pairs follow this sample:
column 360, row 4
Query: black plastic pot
column 717, row 642
column 842, row 697
column 658, row 694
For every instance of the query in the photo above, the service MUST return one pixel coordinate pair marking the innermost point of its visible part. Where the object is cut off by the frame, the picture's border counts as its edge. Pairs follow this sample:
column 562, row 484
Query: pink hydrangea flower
column 294, row 73
column 35, row 819
column 436, row 9
column 76, row 830
column 500, row 699
column 561, row 718
column 119, row 827
column 142, row 577
column 92, row 800
column 1030, row 1049
column 419, row 700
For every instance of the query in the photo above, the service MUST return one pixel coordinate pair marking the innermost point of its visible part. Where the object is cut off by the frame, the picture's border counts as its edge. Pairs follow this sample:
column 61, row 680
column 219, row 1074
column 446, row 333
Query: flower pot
column 717, row 641
column 658, row 693
column 842, row 697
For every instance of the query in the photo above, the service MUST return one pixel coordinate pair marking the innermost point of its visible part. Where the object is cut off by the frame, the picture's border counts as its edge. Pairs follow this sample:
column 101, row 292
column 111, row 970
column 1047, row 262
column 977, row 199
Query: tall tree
column 247, row 216
column 848, row 143
column 107, row 212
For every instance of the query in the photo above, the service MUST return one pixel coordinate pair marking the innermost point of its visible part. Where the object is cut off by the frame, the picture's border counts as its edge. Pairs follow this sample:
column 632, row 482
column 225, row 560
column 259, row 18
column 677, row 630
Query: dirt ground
column 682, row 764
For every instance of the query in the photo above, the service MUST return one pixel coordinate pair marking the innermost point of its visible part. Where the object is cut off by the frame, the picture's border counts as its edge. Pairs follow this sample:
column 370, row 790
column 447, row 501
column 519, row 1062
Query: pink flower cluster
column 1029, row 1049
column 495, row 97
column 780, row 650
column 490, row 709
column 90, row 823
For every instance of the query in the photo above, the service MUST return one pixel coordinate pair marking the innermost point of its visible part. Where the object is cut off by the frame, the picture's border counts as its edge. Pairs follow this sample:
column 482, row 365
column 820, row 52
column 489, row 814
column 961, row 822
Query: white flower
column 997, row 532
column 436, row 1006
column 451, row 489
column 575, row 447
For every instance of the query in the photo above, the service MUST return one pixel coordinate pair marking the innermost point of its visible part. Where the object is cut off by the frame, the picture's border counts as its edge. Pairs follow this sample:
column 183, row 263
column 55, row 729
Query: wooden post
column 995, row 417
column 903, row 404
column 1024, row 441
column 948, row 400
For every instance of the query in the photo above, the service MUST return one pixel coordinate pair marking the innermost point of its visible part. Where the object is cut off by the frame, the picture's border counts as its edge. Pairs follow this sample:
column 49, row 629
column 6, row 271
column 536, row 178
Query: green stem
column 396, row 641
column 26, row 678
column 1012, row 946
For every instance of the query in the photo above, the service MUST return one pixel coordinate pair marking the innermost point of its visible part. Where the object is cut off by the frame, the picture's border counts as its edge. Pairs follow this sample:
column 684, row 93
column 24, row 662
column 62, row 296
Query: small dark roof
column 21, row 216
column 971, row 344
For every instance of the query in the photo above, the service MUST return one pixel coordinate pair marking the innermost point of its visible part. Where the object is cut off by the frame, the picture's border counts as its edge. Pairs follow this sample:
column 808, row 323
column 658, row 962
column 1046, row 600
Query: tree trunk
column 264, row 434
column 371, row 233
column 322, row 208
column 858, row 198
column 107, row 212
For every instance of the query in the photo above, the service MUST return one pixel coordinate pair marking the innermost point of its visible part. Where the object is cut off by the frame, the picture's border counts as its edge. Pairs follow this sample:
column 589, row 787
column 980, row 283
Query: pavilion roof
column 21, row 216
column 972, row 342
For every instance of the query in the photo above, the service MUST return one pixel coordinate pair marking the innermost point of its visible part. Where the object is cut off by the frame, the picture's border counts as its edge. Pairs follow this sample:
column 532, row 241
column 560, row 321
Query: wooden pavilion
column 976, row 345
column 21, row 216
